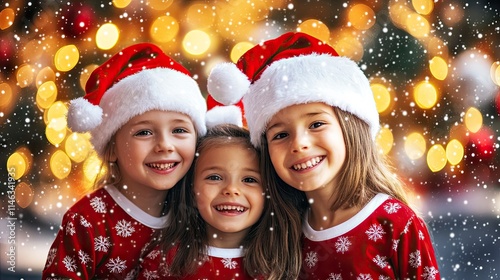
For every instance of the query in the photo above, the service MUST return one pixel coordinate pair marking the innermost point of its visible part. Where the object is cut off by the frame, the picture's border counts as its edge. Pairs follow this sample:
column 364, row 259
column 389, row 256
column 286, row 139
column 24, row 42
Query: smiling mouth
column 308, row 164
column 161, row 166
column 230, row 208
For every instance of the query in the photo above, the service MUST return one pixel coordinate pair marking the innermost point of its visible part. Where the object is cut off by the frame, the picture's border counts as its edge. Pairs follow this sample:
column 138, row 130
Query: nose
column 301, row 142
column 230, row 189
column 163, row 144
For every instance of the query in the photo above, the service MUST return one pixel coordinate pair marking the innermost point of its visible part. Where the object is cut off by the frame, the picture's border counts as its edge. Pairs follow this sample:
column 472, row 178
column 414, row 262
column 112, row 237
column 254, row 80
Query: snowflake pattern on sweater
column 220, row 263
column 385, row 240
column 102, row 236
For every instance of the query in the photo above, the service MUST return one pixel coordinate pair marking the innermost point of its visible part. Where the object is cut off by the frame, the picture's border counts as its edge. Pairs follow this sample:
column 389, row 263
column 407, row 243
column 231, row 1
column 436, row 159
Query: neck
column 150, row 201
column 225, row 239
column 322, row 217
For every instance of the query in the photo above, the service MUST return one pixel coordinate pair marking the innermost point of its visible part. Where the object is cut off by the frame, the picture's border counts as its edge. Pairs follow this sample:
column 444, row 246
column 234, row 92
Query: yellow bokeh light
column 7, row 17
column 24, row 75
column 473, row 120
column 315, row 28
column 239, row 49
column 60, row 164
column 382, row 97
column 495, row 72
column 415, row 145
column 196, row 42
column 121, row 3
column 436, row 158
column 164, row 29
column 361, row 17
column 56, row 130
column 423, row 7
column 46, row 94
column 200, row 15
column 454, row 152
column 438, row 67
column 24, row 194
column 85, row 74
column 57, row 110
column 159, row 5
column 417, row 25
column 385, row 140
column 66, row 58
column 347, row 44
column 77, row 146
column 45, row 75
column 92, row 167
column 107, row 36
column 6, row 95
column 17, row 165
column 425, row 95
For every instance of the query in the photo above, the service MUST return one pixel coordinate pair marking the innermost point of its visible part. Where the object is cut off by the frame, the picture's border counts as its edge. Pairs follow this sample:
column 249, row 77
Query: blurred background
column 434, row 68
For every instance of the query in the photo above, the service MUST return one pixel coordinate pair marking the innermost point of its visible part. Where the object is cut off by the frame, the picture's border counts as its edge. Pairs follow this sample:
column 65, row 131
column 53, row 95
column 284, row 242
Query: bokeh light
column 239, row 49
column 415, row 145
column 385, row 140
column 382, row 97
column 46, row 94
column 361, row 17
column 107, row 36
column 473, row 119
column 66, row 58
column 77, row 146
column 25, row 75
column 196, row 42
column 438, row 67
column 164, row 29
column 60, row 164
column 425, row 95
column 24, row 194
column 454, row 152
column 436, row 158
column 315, row 28
column 7, row 16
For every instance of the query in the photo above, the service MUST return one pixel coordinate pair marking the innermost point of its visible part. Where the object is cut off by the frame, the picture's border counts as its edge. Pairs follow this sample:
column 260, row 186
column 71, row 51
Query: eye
column 143, row 132
column 316, row 124
column 180, row 130
column 280, row 135
column 214, row 177
column 250, row 180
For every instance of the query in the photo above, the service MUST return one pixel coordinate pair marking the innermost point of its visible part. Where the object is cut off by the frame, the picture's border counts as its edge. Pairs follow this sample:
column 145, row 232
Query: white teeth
column 161, row 166
column 308, row 164
column 229, row 208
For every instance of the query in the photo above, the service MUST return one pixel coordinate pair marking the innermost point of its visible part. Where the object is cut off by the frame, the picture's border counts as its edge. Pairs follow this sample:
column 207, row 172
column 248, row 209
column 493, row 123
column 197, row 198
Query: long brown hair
column 267, row 243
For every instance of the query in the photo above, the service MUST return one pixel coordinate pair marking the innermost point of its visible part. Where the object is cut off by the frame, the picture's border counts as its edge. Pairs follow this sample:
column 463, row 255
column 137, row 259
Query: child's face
column 306, row 146
column 154, row 150
column 228, row 189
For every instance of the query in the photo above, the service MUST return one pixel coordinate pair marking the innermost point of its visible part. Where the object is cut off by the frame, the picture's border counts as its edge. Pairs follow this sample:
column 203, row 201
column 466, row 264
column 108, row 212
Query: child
column 313, row 115
column 144, row 113
column 223, row 224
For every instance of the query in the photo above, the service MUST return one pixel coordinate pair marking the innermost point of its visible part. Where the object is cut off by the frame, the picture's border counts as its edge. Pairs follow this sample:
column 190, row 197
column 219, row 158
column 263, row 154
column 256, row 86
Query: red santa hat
column 294, row 68
column 138, row 79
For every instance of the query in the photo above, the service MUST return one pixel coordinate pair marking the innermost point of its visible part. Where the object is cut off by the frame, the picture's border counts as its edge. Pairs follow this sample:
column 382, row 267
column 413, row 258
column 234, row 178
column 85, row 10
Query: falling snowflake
column 392, row 208
column 364, row 277
column 149, row 275
column 229, row 263
column 70, row 228
column 101, row 243
column 84, row 257
column 98, row 205
column 116, row 265
column 395, row 243
column 51, row 256
column 84, row 222
column 124, row 228
column 375, row 232
column 342, row 244
column 311, row 259
column 430, row 273
column 415, row 259
column 69, row 263
column 334, row 276
column 380, row 261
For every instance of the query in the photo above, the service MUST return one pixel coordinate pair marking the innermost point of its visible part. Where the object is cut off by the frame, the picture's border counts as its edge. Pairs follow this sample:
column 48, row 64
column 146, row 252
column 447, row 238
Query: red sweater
column 102, row 236
column 385, row 240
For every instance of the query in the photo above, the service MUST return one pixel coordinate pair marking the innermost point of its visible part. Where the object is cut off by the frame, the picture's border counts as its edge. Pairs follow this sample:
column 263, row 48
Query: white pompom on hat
column 138, row 79
column 294, row 68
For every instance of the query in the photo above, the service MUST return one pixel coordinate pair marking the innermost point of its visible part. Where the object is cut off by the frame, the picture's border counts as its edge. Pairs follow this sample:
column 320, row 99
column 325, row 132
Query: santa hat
column 138, row 79
column 294, row 68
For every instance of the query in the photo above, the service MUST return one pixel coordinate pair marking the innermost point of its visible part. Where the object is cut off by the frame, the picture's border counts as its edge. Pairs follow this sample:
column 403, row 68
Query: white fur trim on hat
column 83, row 116
column 333, row 80
column 224, row 114
column 151, row 89
column 227, row 84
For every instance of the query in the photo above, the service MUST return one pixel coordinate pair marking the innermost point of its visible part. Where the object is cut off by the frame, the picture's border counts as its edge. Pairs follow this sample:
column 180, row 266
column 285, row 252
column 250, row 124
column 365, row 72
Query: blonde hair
column 109, row 173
